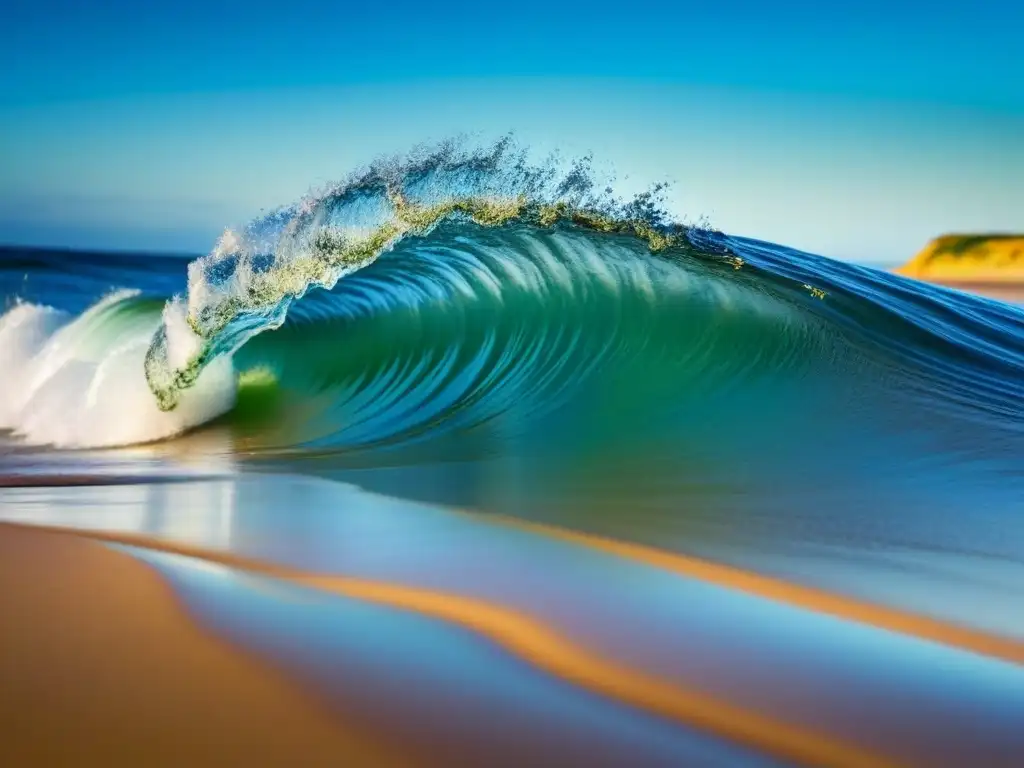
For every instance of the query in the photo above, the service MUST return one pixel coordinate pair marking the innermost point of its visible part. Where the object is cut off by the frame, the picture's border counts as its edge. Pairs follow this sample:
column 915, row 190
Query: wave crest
column 247, row 283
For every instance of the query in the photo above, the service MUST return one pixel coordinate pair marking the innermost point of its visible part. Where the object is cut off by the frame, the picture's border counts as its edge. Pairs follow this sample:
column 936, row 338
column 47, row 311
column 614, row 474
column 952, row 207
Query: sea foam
column 79, row 382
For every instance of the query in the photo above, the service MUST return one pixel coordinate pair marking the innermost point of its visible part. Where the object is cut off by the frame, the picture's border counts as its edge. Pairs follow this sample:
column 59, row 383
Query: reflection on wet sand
column 797, row 673
column 100, row 666
column 787, row 592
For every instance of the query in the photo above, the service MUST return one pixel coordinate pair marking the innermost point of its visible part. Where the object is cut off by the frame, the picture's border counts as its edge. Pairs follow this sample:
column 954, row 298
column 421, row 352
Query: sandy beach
column 100, row 665
column 215, row 623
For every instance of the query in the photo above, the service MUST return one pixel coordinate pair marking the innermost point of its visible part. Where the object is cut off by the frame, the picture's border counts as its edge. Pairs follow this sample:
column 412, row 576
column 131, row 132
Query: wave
column 247, row 283
column 481, row 304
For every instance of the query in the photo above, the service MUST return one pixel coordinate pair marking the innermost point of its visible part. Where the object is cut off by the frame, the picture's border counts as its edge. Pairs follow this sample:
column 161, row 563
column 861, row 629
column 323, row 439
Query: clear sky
column 858, row 132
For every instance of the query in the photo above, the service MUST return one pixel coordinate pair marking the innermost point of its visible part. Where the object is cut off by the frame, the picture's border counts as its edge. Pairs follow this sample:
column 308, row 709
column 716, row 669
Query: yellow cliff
column 965, row 260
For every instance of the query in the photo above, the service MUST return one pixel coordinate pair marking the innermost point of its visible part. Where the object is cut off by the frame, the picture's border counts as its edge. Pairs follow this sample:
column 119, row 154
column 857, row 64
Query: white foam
column 23, row 332
column 183, row 344
column 80, row 383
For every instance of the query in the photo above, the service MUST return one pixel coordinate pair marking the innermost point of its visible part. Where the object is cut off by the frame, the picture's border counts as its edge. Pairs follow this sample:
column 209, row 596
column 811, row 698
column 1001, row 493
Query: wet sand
column 99, row 665
column 100, row 591
column 453, row 634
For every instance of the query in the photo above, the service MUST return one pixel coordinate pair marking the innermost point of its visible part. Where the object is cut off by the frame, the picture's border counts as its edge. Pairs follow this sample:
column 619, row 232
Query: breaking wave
column 480, row 303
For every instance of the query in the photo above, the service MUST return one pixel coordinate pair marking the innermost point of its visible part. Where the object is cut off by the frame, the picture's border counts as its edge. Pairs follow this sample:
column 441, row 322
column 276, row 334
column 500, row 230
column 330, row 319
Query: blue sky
column 858, row 132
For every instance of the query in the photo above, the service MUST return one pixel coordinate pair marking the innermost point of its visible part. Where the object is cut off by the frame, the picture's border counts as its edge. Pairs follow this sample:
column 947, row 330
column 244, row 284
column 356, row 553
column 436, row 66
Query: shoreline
column 518, row 635
column 101, row 664
column 336, row 662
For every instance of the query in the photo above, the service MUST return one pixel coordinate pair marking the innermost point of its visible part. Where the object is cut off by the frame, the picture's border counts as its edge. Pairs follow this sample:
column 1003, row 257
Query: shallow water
column 886, row 692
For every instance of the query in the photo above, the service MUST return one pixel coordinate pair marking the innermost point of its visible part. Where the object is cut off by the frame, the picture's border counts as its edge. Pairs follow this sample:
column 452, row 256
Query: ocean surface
column 462, row 373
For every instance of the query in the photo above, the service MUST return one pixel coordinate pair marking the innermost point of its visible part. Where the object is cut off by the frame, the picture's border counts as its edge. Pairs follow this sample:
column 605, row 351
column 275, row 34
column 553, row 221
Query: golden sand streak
column 101, row 665
column 556, row 655
column 808, row 598
column 549, row 651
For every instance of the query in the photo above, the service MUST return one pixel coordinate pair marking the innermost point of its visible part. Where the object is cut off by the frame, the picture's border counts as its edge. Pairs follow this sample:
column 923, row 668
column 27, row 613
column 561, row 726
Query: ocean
column 464, row 374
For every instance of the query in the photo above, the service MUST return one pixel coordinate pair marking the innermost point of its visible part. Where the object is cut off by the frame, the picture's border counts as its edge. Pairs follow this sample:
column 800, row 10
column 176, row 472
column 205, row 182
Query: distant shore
column 982, row 261
column 988, row 265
